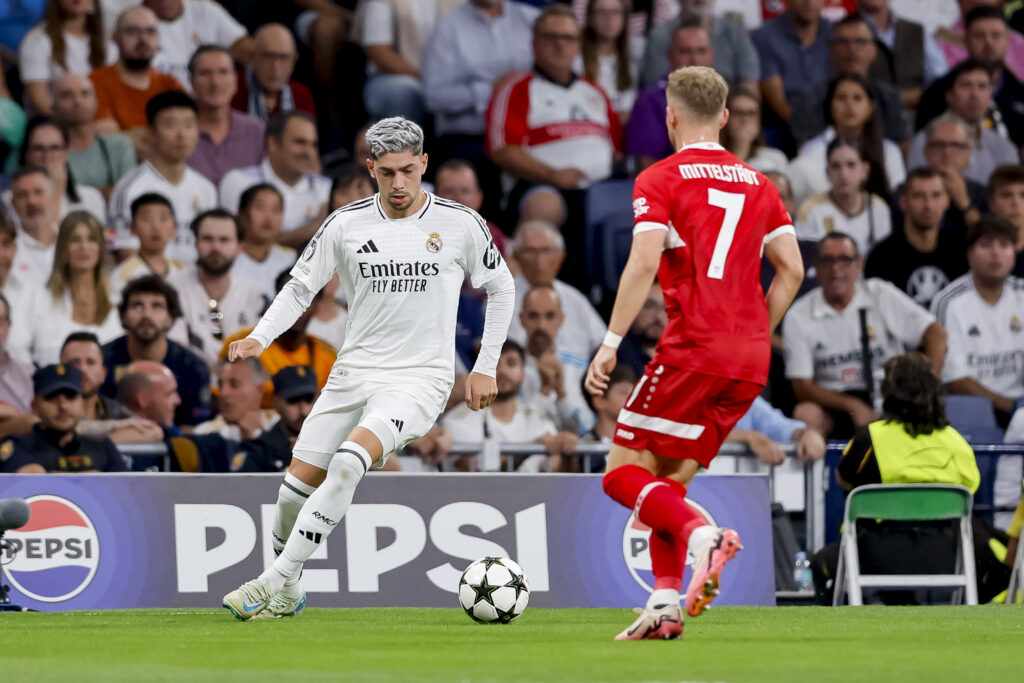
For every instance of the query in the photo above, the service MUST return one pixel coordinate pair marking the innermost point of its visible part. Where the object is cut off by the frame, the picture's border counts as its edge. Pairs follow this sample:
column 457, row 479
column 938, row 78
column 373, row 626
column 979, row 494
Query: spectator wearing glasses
column 266, row 86
column 838, row 336
column 214, row 303
column 76, row 296
column 46, row 145
column 149, row 307
column 95, row 160
column 154, row 225
column 969, row 99
column 295, row 390
column 743, row 136
column 53, row 445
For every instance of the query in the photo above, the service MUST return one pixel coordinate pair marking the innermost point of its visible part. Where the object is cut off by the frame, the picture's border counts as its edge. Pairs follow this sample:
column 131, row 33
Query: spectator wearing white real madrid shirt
column 827, row 331
column 848, row 207
column 291, row 166
column 36, row 212
column 187, row 24
column 154, row 225
column 174, row 130
column 214, row 303
column 983, row 312
column 260, row 211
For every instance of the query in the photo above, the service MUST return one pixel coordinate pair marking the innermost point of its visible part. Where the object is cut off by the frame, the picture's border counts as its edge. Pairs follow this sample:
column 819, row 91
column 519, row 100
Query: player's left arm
column 488, row 269
column 783, row 251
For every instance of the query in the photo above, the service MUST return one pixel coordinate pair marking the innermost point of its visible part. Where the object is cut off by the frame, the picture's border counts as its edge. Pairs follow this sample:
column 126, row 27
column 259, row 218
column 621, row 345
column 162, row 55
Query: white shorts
column 396, row 408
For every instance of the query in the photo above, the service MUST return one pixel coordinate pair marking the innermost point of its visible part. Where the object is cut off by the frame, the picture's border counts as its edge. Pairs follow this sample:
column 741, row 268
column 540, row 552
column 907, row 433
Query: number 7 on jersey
column 733, row 205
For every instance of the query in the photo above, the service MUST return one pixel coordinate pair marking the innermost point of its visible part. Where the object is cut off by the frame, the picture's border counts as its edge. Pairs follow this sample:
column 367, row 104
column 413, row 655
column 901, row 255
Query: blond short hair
column 697, row 91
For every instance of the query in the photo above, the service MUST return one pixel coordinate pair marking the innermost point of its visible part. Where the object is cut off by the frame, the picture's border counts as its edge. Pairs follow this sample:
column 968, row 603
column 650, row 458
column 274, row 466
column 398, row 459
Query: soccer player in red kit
column 703, row 219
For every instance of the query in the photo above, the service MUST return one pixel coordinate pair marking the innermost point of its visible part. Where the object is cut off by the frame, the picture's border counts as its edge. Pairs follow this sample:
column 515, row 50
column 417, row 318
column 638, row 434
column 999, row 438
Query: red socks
column 660, row 504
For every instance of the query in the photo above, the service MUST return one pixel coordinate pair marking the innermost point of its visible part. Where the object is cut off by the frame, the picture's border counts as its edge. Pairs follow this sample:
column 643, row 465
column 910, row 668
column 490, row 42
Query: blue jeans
column 395, row 95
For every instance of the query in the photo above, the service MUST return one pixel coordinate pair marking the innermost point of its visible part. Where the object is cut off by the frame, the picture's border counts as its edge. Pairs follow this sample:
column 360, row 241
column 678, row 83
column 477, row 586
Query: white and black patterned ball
column 494, row 590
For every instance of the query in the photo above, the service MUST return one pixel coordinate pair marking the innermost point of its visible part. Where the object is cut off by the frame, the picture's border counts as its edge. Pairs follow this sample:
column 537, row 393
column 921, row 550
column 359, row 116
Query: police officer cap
column 53, row 378
column 295, row 381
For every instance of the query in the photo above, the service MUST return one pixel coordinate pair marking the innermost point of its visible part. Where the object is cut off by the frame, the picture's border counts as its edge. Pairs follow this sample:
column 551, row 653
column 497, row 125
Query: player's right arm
column 310, row 273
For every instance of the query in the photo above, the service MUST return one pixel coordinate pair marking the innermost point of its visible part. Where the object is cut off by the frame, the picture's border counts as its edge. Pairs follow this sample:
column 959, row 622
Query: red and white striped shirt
column 570, row 126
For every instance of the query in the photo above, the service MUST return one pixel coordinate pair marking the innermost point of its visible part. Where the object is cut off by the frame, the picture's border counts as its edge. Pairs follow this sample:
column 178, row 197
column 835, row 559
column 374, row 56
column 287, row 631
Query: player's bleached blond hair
column 394, row 134
column 697, row 92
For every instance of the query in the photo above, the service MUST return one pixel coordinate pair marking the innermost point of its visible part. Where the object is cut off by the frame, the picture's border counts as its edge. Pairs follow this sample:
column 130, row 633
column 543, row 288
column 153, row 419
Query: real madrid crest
column 434, row 243
column 1015, row 325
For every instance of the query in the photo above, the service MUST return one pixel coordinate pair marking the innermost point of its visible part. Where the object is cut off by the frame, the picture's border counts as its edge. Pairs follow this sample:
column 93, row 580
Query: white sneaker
column 664, row 623
column 248, row 600
column 282, row 606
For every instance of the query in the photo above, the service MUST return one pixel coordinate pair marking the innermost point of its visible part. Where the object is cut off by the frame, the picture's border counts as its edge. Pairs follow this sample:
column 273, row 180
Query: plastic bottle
column 802, row 576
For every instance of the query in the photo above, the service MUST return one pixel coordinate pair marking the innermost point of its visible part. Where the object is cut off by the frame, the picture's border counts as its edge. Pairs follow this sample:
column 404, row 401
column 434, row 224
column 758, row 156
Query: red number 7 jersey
column 717, row 214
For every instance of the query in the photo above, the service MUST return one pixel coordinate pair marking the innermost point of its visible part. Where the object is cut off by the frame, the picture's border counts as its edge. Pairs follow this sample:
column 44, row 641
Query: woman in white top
column 76, row 298
column 609, row 56
column 742, row 133
column 69, row 39
column 847, row 207
column 47, row 145
column 851, row 112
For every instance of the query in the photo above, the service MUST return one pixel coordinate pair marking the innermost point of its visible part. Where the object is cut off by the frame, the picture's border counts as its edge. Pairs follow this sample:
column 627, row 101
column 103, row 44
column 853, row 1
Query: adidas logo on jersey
column 368, row 248
column 974, row 331
column 398, row 423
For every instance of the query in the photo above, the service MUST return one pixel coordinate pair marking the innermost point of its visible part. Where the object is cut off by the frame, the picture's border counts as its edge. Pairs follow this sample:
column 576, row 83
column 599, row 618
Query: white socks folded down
column 320, row 513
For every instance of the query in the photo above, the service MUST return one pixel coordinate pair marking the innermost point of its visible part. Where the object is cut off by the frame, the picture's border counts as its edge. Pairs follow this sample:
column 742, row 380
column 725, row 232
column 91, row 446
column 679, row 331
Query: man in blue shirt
column 793, row 49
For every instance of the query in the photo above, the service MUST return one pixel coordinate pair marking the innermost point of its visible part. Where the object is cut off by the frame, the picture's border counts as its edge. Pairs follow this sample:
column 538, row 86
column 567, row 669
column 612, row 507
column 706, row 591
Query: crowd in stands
column 163, row 162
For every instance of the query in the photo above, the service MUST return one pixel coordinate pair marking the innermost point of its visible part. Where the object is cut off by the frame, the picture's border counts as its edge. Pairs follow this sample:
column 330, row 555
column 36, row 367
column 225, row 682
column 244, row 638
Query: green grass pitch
column 785, row 644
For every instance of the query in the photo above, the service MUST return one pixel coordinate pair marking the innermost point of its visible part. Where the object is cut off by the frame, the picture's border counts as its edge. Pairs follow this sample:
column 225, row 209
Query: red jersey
column 718, row 214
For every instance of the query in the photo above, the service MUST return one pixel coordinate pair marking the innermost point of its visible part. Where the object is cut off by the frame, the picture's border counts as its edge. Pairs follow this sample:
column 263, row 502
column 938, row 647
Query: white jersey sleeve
column 904, row 317
column 320, row 259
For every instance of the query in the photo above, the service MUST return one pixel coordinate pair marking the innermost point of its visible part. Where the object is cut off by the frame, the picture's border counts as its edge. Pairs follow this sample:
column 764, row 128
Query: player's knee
column 383, row 430
column 345, row 471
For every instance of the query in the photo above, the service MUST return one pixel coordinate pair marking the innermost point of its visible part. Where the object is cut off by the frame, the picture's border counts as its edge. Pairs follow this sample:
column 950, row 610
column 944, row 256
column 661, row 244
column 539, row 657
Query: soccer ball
column 494, row 590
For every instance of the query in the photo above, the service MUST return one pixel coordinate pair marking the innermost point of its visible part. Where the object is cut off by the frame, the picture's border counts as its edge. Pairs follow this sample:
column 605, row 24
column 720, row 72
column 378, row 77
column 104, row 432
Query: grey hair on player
column 537, row 226
column 392, row 135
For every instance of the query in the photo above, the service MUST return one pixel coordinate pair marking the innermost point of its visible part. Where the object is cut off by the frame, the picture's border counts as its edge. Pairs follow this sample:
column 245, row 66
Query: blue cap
column 294, row 381
column 52, row 378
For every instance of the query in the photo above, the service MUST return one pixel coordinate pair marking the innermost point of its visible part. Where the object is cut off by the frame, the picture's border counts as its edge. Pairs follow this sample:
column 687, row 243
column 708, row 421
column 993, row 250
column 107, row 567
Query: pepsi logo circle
column 55, row 556
column 636, row 552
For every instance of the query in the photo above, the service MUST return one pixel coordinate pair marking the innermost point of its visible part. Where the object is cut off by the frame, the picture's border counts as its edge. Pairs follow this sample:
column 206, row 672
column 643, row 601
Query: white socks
column 320, row 514
column 290, row 497
column 700, row 536
column 663, row 596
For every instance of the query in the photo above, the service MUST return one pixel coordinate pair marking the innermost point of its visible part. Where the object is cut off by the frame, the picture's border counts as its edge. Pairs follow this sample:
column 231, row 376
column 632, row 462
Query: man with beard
column 293, row 347
column 214, row 303
column 36, row 208
column 53, row 445
column 295, row 389
column 124, row 87
column 922, row 258
column 509, row 420
column 553, row 385
column 149, row 306
column 174, row 132
column 637, row 347
column 102, row 415
column 291, row 165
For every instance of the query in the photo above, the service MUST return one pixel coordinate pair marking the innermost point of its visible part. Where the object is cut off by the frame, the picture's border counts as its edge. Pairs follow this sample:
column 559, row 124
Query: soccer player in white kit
column 401, row 256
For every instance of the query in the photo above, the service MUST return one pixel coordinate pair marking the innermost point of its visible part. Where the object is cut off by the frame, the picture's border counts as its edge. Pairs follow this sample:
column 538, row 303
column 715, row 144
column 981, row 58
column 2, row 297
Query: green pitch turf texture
column 785, row 644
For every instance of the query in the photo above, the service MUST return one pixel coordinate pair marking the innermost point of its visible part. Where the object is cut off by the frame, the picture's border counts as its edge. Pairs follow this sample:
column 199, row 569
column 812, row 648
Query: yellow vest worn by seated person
column 942, row 457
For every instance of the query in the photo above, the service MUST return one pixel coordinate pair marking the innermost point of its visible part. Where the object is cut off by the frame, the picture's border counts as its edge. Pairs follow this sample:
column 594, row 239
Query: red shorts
column 681, row 413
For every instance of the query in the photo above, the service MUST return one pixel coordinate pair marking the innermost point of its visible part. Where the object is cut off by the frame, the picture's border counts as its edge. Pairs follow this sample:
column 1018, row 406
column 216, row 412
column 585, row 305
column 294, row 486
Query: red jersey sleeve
column 650, row 204
column 779, row 221
column 507, row 113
